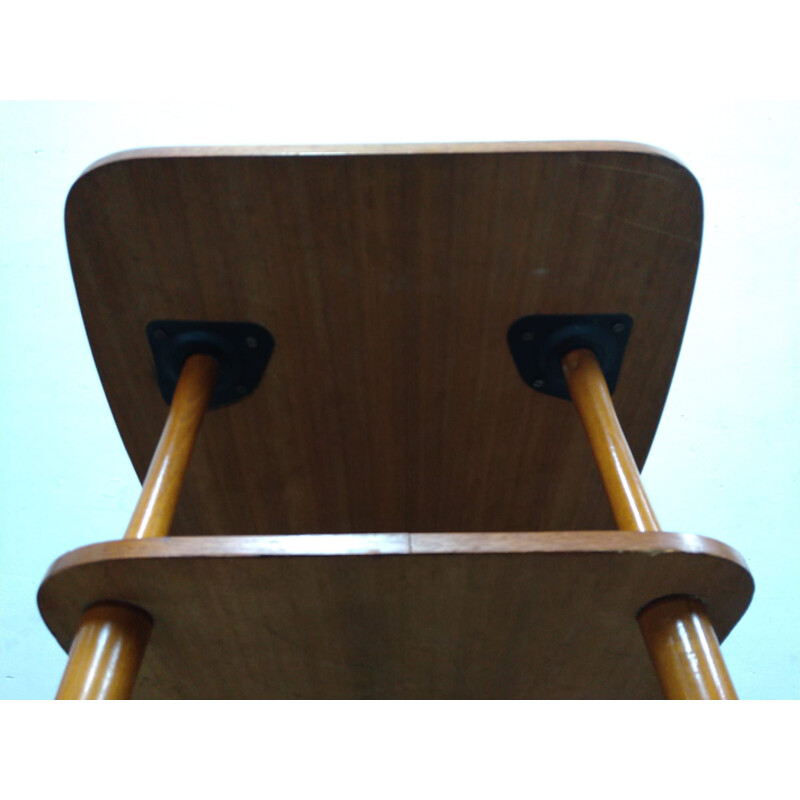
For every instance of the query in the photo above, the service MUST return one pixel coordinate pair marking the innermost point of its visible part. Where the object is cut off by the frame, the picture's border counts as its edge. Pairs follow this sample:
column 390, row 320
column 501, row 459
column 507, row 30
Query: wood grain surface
column 389, row 278
column 469, row 615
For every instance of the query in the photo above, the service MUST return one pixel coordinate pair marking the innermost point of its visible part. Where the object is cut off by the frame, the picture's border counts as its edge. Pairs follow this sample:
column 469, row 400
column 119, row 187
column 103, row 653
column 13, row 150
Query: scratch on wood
column 597, row 217
column 612, row 168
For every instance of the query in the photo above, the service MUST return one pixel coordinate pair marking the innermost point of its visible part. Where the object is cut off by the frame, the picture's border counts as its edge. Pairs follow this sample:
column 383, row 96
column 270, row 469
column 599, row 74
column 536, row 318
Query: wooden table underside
column 471, row 615
column 389, row 278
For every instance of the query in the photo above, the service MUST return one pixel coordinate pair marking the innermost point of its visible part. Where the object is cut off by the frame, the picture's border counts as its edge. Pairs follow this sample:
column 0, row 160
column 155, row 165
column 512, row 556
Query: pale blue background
column 725, row 460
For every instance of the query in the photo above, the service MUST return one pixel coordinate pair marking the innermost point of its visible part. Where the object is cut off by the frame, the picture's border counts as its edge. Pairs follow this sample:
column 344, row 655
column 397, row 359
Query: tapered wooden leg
column 679, row 636
column 106, row 653
column 589, row 391
column 683, row 647
column 109, row 646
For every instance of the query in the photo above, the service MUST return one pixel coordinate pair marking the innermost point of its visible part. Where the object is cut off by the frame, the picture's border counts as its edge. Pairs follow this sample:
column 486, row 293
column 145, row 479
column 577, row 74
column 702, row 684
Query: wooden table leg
column 679, row 636
column 106, row 653
column 109, row 646
column 683, row 647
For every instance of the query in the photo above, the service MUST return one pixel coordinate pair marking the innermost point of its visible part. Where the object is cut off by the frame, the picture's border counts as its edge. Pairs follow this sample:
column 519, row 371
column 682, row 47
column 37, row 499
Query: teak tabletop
column 389, row 278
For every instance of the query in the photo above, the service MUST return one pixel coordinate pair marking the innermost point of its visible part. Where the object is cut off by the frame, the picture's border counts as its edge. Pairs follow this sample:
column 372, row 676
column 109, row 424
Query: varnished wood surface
column 615, row 463
column 505, row 615
column 108, row 648
column 106, row 653
column 389, row 278
column 677, row 631
column 684, row 649
column 155, row 509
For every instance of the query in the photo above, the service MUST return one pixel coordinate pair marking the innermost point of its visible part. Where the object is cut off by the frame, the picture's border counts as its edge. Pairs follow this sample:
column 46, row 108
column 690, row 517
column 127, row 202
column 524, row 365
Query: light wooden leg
column 109, row 646
column 106, row 653
column 683, row 647
column 679, row 636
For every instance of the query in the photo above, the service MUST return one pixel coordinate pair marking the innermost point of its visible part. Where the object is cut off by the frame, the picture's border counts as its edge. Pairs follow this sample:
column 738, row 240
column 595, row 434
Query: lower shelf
column 456, row 615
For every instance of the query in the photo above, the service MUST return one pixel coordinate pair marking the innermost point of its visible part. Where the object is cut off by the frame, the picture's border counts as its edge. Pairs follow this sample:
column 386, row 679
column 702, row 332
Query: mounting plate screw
column 618, row 327
column 538, row 383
